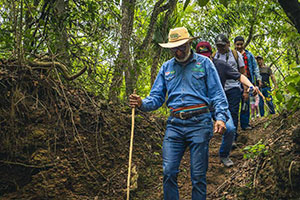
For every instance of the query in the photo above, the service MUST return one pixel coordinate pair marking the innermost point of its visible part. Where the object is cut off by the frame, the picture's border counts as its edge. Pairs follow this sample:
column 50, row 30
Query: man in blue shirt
column 192, row 84
column 252, row 73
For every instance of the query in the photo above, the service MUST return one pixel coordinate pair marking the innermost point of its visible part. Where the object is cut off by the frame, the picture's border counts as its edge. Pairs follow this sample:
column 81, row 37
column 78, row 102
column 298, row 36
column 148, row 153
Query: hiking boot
column 227, row 162
column 234, row 145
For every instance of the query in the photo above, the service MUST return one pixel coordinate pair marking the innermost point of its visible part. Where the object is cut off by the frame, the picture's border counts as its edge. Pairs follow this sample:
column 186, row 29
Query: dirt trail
column 218, row 175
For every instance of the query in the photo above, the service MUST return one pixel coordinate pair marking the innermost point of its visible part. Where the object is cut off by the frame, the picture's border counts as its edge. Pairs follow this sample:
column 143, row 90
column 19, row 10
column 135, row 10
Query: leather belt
column 187, row 115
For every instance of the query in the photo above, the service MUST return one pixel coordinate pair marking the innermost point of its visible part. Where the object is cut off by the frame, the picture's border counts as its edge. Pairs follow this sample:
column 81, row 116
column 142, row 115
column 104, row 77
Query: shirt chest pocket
column 198, row 80
column 169, row 80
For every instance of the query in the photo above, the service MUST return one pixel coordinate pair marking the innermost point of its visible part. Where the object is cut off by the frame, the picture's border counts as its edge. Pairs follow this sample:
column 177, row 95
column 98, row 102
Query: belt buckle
column 180, row 116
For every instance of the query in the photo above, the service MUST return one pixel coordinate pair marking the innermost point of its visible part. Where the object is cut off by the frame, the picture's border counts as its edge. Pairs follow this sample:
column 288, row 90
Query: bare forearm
column 244, row 80
column 274, row 80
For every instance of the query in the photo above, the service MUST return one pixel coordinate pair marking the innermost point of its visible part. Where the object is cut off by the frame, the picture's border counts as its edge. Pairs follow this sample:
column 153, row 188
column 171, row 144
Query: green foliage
column 251, row 152
column 273, row 37
column 186, row 3
column 87, row 33
column 202, row 2
column 224, row 2
column 267, row 124
column 287, row 96
column 292, row 90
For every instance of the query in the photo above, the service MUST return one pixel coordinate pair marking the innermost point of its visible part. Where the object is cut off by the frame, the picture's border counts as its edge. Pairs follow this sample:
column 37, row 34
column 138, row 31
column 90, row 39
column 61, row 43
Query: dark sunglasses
column 180, row 48
column 203, row 49
column 220, row 45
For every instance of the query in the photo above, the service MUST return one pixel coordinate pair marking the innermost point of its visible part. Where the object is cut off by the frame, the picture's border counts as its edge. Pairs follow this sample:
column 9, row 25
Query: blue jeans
column 245, row 115
column 266, row 91
column 228, row 137
column 234, row 96
column 194, row 133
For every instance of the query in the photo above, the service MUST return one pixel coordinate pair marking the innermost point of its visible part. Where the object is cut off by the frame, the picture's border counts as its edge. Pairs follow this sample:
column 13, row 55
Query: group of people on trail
column 243, row 61
column 201, row 87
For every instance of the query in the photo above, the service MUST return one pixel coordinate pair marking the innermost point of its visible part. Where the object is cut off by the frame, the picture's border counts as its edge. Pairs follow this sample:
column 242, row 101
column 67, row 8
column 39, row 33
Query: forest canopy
column 111, row 47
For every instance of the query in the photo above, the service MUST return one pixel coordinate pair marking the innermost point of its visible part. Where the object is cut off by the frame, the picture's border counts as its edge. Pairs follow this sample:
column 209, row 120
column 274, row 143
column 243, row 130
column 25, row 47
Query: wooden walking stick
column 130, row 150
column 264, row 100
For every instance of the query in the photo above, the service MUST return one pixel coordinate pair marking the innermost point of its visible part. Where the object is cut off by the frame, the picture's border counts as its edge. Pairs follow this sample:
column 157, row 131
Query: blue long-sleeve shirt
column 195, row 83
column 253, row 68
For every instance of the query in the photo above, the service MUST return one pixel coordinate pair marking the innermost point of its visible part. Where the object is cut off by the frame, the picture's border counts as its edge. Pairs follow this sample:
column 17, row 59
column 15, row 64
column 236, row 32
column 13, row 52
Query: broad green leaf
column 267, row 124
column 290, row 103
column 297, row 68
column 202, row 2
column 279, row 96
column 297, row 80
column 291, row 78
column 224, row 2
column 292, row 88
column 247, row 148
column 186, row 3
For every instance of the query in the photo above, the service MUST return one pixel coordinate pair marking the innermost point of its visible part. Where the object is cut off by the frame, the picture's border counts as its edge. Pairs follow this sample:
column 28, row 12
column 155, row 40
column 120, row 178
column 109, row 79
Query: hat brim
column 259, row 57
column 221, row 43
column 170, row 45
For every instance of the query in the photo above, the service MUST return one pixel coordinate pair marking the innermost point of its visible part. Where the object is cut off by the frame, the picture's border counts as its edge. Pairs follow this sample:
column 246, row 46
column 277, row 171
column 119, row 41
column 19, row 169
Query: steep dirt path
column 219, row 176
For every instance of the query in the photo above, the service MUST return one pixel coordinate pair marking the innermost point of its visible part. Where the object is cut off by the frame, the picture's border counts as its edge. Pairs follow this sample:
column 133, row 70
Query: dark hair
column 238, row 38
column 259, row 57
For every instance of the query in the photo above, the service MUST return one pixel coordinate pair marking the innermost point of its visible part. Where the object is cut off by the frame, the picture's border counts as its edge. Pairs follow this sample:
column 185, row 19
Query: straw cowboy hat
column 177, row 37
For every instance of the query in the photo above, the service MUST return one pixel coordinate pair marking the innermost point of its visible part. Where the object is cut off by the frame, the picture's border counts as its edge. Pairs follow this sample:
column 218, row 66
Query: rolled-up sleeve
column 157, row 95
column 216, row 93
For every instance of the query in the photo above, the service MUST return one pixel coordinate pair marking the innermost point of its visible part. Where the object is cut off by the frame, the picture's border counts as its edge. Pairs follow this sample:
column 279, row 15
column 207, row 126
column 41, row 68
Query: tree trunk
column 155, row 62
column 20, row 35
column 130, row 72
column 252, row 23
column 62, row 44
column 14, row 20
column 123, row 62
column 164, row 28
column 29, row 21
column 292, row 10
column 170, row 6
column 296, row 55
column 143, row 47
